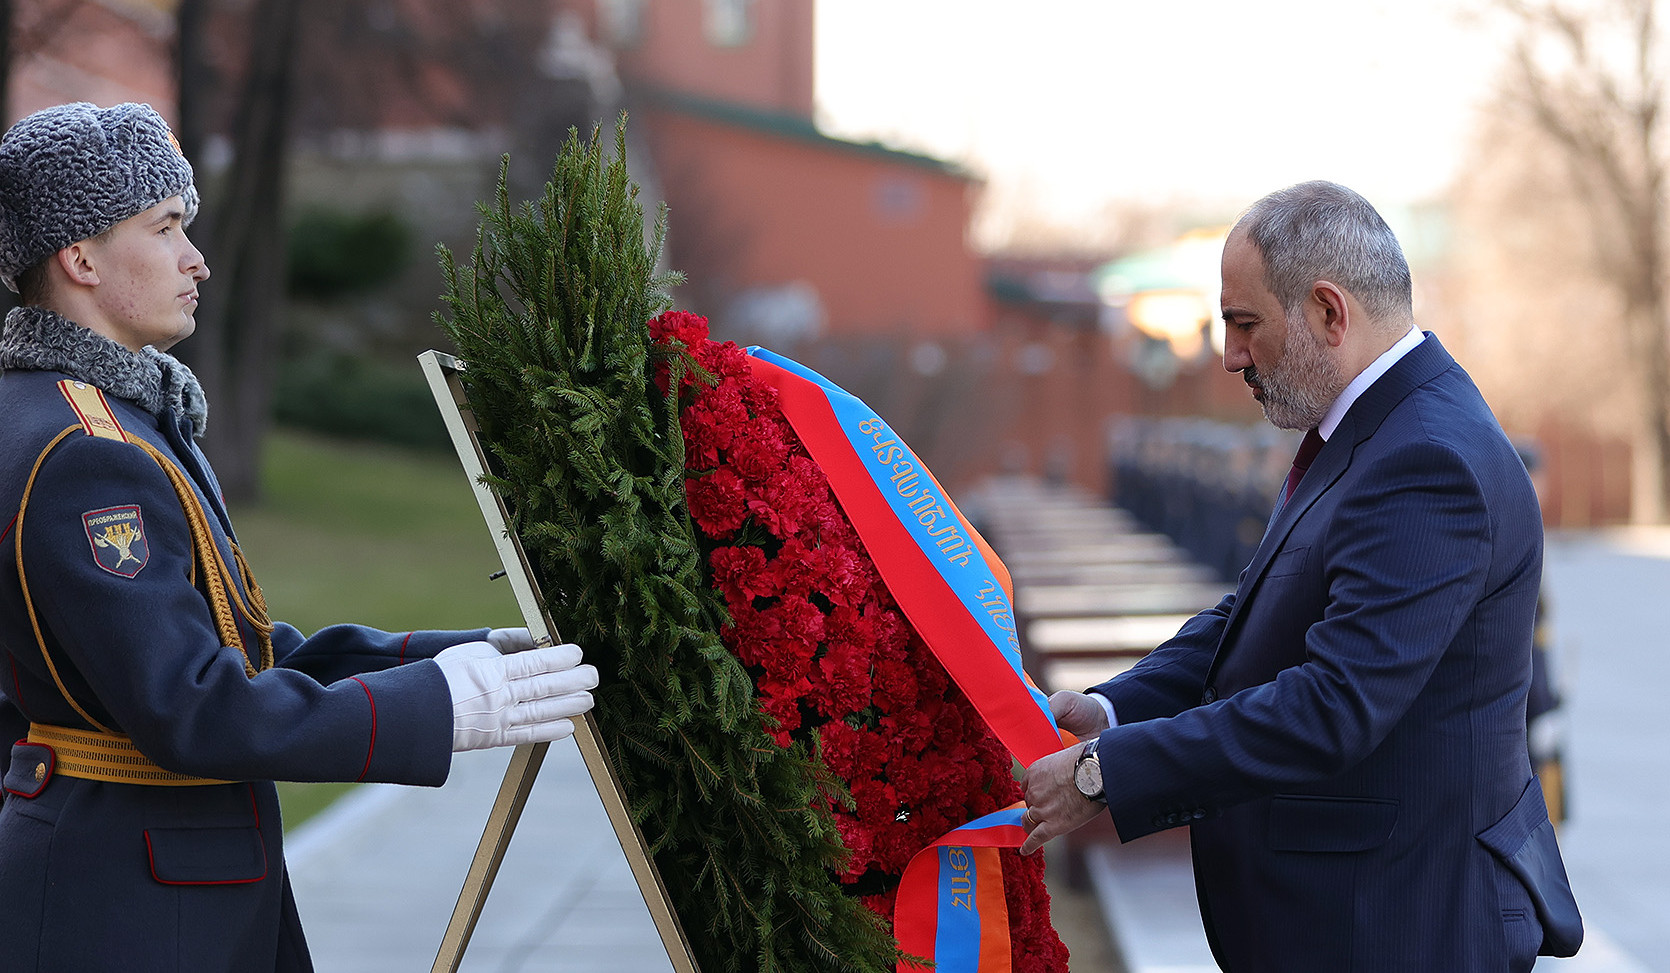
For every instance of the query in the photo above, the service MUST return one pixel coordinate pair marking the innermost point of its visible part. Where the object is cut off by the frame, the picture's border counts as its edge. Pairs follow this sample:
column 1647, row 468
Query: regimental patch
column 117, row 535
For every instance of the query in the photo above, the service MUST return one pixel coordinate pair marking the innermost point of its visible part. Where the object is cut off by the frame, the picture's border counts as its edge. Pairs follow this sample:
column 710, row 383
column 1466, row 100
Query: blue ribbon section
column 957, row 940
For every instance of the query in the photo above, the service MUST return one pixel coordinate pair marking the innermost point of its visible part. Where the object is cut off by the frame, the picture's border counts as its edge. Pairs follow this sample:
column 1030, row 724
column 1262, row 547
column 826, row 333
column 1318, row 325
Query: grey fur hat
column 73, row 171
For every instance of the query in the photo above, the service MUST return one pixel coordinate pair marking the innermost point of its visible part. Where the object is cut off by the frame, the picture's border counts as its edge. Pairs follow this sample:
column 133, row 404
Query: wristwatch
column 1087, row 774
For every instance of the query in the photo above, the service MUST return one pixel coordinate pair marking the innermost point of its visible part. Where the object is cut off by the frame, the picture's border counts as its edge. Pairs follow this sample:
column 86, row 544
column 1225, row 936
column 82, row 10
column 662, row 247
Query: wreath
column 784, row 738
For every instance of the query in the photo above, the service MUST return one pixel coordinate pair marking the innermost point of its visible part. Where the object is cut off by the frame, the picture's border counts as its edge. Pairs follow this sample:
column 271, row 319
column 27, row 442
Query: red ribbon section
column 950, row 909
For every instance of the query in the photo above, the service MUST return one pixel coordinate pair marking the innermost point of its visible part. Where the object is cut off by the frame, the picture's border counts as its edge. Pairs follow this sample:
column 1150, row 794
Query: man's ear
column 1329, row 303
column 77, row 263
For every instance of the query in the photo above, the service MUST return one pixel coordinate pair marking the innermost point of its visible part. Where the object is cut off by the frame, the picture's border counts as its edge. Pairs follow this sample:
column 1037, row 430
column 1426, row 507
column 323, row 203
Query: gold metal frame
column 442, row 371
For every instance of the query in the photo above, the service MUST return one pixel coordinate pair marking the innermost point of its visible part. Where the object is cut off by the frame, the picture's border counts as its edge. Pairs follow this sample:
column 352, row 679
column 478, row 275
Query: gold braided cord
column 219, row 585
column 23, row 581
column 256, row 614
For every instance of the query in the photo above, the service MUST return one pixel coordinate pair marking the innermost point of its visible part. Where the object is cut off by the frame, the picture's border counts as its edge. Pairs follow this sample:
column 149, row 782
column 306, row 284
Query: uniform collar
column 38, row 339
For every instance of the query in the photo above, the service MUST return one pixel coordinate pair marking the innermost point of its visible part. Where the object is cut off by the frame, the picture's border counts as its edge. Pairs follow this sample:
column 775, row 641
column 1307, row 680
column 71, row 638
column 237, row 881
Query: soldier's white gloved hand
column 506, row 700
column 508, row 640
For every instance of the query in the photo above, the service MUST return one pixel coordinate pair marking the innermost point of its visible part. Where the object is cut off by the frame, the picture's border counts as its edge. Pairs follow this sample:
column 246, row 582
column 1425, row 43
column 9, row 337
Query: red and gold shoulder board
column 93, row 411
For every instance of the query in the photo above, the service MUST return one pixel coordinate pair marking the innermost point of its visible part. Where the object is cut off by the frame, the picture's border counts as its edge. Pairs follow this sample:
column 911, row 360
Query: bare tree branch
column 1601, row 115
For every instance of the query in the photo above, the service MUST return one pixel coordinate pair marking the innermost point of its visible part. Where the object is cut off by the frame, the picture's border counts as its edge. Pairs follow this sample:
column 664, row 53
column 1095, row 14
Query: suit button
column 1158, row 821
column 40, row 772
column 1200, row 813
column 1208, row 697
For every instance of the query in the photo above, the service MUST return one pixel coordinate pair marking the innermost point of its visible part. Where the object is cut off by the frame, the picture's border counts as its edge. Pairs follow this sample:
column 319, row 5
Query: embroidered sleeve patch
column 117, row 536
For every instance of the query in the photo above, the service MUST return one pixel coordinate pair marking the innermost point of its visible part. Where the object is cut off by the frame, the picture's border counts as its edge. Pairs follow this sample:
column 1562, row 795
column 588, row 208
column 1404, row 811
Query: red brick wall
column 95, row 53
column 771, row 70
column 1584, row 479
column 883, row 241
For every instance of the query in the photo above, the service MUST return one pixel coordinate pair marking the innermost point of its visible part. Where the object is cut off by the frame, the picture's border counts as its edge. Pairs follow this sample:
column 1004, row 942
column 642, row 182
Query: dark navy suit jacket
column 108, row 876
column 1345, row 733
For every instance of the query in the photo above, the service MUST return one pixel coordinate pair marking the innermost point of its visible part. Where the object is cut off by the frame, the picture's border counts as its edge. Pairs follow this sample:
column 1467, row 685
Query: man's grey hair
column 1324, row 231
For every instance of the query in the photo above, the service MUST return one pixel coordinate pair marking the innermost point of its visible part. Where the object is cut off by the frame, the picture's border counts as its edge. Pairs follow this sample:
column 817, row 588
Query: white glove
column 508, row 640
column 505, row 700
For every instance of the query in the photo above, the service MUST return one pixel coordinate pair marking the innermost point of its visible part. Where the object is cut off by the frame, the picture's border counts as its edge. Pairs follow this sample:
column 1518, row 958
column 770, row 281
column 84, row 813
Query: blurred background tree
column 1560, row 219
column 238, row 322
column 259, row 81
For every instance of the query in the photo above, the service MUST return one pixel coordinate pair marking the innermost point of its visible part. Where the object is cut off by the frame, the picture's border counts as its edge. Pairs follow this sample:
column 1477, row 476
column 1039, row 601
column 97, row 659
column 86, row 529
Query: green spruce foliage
column 550, row 317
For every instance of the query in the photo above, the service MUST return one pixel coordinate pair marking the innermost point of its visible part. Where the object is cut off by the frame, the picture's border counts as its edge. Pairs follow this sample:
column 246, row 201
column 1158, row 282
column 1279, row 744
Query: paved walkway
column 376, row 877
column 1607, row 598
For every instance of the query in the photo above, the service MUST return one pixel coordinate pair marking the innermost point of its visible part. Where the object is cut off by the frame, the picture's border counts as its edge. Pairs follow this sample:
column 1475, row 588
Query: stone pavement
column 376, row 877
column 1607, row 593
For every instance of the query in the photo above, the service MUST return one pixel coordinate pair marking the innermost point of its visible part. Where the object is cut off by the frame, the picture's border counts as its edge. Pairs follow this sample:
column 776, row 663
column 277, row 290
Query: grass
column 373, row 534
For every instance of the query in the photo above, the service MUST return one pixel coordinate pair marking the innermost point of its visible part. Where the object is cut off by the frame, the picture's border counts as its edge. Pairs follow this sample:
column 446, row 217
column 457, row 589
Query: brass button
column 40, row 772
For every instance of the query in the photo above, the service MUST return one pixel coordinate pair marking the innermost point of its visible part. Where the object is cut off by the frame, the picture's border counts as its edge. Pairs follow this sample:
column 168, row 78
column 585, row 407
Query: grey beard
column 1300, row 387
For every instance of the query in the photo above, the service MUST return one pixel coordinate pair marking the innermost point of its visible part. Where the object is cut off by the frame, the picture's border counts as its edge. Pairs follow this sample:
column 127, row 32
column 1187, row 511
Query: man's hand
column 505, row 700
column 1078, row 714
column 1054, row 805
column 508, row 640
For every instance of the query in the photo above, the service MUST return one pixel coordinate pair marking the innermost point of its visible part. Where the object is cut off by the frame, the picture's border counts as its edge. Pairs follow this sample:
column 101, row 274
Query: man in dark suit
column 1345, row 733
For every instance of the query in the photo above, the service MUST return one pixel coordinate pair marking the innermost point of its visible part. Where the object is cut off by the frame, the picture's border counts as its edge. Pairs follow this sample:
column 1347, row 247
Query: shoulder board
column 93, row 411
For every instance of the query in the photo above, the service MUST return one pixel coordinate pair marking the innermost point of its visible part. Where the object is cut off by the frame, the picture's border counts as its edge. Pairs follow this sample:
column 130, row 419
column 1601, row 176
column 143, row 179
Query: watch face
column 1088, row 777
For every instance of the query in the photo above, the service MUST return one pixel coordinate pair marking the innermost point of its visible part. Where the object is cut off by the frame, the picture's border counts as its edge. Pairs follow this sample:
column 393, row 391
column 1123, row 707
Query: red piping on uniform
column 403, row 642
column 9, row 527
column 152, row 856
column 373, row 747
column 51, row 768
column 17, row 688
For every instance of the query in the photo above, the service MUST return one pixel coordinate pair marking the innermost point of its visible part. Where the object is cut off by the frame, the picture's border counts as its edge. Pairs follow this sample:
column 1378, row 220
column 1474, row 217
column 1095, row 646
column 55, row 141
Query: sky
column 1067, row 105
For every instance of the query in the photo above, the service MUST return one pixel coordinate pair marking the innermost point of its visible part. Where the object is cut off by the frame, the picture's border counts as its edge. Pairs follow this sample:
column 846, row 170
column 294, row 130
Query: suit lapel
column 1422, row 364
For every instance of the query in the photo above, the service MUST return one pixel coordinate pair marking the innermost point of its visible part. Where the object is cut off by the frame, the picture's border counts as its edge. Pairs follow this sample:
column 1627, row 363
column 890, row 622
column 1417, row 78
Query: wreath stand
column 442, row 371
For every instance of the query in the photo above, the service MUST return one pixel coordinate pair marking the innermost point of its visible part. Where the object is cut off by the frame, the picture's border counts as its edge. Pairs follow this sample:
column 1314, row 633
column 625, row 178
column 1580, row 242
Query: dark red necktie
column 1308, row 449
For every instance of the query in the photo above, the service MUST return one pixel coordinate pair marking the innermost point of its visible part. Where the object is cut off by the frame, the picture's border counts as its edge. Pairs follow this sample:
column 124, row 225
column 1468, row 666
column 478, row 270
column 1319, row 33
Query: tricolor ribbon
column 957, row 595
column 950, row 908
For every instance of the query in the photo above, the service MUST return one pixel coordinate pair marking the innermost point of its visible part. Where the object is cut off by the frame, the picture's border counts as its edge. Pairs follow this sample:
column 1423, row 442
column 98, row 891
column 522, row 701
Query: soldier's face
column 148, row 274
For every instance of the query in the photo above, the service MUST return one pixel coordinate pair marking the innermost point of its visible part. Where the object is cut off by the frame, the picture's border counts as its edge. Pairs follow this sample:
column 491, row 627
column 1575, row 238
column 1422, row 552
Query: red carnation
column 740, row 573
column 716, row 502
column 844, row 680
column 681, row 326
column 839, row 747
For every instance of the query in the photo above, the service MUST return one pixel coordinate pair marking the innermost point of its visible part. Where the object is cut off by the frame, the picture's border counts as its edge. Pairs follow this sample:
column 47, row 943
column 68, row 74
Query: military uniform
column 110, row 630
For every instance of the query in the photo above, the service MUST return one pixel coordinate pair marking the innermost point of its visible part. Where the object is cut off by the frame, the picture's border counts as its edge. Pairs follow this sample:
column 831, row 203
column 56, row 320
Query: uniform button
column 40, row 772
column 1200, row 813
column 1209, row 697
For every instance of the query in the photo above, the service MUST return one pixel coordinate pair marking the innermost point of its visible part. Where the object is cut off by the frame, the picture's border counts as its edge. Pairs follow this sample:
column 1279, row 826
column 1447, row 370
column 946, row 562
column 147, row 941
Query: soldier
column 155, row 701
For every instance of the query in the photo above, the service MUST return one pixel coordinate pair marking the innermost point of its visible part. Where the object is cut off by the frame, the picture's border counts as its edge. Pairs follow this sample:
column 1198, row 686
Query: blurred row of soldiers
column 1211, row 487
